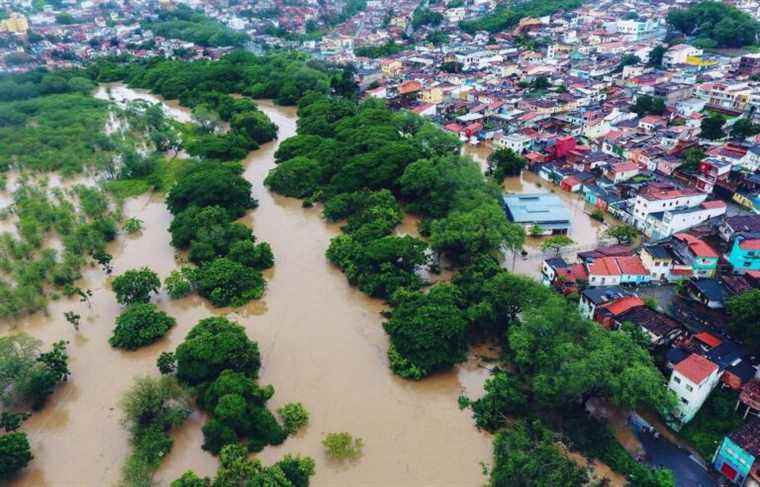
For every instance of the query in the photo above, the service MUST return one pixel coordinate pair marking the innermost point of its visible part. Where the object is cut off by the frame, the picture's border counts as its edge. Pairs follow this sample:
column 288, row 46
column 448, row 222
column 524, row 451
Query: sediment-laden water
column 322, row 344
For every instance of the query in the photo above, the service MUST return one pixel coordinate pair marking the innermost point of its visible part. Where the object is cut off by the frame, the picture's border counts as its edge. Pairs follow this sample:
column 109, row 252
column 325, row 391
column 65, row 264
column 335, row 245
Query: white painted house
column 518, row 143
column 692, row 381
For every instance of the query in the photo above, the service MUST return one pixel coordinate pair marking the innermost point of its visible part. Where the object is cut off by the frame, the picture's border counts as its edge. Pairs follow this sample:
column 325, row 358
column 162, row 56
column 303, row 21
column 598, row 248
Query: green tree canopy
column 15, row 453
column 526, row 455
column 570, row 359
column 556, row 242
column 648, row 105
column 463, row 236
column 720, row 24
column 503, row 163
column 209, row 185
column 213, row 345
column 712, row 127
column 136, row 286
column 745, row 317
column 140, row 324
column 226, row 282
column 743, row 128
column 427, row 331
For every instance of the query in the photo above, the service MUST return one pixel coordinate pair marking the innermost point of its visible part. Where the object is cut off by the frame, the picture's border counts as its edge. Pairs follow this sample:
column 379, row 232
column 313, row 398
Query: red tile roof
column 696, row 368
column 616, row 266
column 624, row 167
column 606, row 266
column 653, row 192
column 421, row 108
column 410, row 86
column 708, row 339
column 750, row 244
column 573, row 272
column 713, row 204
column 571, row 181
column 697, row 246
column 632, row 265
column 620, row 306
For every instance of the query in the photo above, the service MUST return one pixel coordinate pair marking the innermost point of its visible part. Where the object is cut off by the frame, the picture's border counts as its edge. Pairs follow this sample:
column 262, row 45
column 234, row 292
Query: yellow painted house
column 15, row 23
column 698, row 61
column 391, row 67
column 432, row 95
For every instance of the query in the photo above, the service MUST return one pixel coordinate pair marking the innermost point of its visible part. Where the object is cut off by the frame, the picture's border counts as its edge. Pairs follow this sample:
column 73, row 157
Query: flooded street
column 321, row 341
column 584, row 230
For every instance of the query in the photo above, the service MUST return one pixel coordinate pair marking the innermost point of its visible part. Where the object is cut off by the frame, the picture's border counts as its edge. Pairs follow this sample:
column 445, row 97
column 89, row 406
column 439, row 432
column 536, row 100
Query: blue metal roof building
column 543, row 209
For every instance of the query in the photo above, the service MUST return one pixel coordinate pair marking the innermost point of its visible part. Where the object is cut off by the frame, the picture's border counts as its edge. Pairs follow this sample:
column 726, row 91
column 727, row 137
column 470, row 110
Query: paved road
column 662, row 453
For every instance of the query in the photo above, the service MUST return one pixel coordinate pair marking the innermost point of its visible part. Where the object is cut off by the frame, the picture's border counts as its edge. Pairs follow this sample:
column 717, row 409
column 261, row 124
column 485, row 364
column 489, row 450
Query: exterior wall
column 658, row 268
column 690, row 401
column 586, row 308
column 730, row 457
column 547, row 274
column 643, row 207
column 674, row 223
column 517, row 143
column 595, row 280
column 432, row 95
column 744, row 260
column 704, row 267
column 634, row 278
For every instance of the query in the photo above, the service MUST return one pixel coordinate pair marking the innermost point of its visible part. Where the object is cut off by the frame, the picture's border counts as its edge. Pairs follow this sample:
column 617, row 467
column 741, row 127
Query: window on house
column 676, row 379
column 689, row 388
column 684, row 400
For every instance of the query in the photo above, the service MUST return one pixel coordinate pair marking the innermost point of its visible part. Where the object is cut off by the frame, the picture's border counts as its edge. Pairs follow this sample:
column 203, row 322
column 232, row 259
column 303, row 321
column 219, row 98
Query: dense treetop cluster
column 715, row 24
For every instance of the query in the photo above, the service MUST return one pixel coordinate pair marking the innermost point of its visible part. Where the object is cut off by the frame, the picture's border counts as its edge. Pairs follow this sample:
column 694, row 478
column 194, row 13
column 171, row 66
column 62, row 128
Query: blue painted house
column 745, row 252
column 737, row 457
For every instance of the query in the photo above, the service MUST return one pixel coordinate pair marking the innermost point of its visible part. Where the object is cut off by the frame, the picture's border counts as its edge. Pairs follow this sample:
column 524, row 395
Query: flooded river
column 322, row 344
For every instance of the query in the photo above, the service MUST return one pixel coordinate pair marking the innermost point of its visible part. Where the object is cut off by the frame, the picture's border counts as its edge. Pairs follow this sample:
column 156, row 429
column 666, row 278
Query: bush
column 256, row 256
column 715, row 419
column 15, row 453
column 225, row 282
column 133, row 225
column 217, row 435
column 213, row 345
column 294, row 416
column 149, row 448
column 136, row 286
column 166, row 363
column 154, row 401
column 178, row 285
column 297, row 469
column 343, row 446
column 190, row 479
column 140, row 324
column 50, row 369
column 151, row 407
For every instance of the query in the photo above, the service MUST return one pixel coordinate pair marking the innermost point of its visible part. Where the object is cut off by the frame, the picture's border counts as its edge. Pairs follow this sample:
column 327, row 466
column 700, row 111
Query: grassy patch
column 127, row 188
column 161, row 180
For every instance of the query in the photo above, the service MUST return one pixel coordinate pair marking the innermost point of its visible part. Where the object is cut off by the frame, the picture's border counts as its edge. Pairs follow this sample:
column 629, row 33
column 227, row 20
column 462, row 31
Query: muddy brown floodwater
column 321, row 341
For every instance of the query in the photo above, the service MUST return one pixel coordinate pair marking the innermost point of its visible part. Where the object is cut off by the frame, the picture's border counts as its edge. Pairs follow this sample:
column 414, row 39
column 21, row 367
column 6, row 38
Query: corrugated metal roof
column 536, row 208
